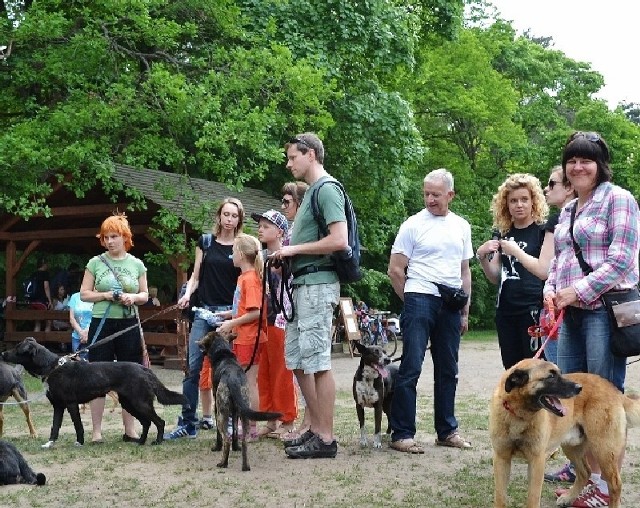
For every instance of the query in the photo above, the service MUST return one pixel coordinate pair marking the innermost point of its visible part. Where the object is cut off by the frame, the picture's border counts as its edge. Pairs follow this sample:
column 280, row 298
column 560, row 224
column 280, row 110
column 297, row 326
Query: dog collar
column 507, row 406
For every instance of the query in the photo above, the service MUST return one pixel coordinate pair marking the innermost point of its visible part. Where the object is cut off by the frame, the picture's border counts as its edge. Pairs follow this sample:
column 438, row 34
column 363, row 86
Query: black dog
column 78, row 382
column 14, row 469
column 231, row 397
column 11, row 385
column 373, row 385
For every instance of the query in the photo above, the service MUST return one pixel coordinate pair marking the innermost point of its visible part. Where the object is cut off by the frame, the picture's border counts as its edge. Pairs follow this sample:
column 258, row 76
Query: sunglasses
column 299, row 141
column 286, row 202
column 589, row 136
column 552, row 183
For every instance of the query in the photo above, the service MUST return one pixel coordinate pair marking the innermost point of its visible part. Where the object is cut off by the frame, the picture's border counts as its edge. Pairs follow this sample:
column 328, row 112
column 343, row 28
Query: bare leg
column 129, row 423
column 206, row 398
column 97, row 410
column 326, row 400
column 308, row 388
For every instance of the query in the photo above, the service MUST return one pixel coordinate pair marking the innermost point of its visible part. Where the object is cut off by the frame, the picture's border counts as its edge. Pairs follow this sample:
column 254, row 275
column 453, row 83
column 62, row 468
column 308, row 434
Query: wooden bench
column 172, row 338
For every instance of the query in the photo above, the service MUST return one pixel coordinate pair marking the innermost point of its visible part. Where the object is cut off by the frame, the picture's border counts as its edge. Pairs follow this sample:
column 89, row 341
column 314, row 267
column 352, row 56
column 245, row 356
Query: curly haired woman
column 519, row 212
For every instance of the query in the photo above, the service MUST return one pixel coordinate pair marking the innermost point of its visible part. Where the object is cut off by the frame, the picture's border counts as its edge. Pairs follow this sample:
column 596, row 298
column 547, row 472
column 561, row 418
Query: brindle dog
column 231, row 397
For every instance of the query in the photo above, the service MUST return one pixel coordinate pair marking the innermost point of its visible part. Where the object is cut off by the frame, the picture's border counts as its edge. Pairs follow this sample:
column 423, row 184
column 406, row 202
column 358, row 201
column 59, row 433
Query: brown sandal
column 407, row 446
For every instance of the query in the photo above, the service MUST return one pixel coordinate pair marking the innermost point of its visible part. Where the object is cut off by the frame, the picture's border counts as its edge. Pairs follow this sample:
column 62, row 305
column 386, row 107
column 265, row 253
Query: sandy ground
column 183, row 473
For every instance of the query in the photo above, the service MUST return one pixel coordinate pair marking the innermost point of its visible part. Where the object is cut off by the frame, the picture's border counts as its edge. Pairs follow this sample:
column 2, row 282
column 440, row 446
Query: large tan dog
column 535, row 409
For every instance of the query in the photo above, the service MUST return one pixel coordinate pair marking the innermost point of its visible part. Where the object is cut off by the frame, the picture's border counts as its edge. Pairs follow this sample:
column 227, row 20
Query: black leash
column 116, row 334
column 265, row 273
column 286, row 288
column 268, row 287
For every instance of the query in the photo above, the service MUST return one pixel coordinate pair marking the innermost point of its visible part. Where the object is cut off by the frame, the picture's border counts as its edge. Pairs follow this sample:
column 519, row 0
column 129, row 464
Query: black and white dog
column 373, row 385
column 14, row 469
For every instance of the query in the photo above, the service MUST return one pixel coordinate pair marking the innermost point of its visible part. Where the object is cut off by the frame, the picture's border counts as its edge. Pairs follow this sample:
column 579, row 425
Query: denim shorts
column 307, row 344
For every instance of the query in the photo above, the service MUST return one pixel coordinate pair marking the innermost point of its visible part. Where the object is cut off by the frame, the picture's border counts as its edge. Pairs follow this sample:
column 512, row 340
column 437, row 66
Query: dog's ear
column 516, row 379
column 360, row 347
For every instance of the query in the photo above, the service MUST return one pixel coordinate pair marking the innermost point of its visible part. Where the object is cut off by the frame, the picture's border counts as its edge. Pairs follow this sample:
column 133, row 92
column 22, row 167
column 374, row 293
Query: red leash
column 544, row 330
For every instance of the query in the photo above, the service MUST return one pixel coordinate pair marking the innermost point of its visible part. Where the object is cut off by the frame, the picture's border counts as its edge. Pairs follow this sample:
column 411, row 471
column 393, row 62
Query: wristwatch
column 479, row 257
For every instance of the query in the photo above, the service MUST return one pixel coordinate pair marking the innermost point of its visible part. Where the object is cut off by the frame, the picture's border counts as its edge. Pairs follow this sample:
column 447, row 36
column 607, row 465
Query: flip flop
column 407, row 446
column 265, row 431
column 279, row 432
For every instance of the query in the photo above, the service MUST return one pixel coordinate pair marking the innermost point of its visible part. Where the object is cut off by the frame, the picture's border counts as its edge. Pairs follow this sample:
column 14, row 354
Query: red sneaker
column 591, row 498
column 563, row 490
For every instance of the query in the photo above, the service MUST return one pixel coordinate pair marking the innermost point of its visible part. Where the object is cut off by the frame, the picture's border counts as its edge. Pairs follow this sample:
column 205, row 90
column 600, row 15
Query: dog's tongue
column 382, row 371
column 558, row 405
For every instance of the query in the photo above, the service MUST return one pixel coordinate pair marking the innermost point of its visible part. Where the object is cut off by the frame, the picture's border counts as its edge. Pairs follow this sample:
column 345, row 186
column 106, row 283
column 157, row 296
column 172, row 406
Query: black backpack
column 346, row 262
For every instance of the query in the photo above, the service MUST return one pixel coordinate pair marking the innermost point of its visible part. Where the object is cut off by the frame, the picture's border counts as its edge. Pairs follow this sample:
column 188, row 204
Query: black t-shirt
column 39, row 295
column 520, row 290
column 219, row 276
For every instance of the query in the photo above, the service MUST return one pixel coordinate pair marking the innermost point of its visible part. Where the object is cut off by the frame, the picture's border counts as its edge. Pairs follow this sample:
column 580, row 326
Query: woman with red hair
column 116, row 282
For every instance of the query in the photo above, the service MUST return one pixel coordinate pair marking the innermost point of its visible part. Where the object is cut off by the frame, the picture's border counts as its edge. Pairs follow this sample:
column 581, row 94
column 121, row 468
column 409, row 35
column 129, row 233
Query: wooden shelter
column 73, row 223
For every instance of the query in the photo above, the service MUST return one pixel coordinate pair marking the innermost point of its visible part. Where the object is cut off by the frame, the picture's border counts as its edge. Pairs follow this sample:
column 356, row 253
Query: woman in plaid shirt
column 606, row 231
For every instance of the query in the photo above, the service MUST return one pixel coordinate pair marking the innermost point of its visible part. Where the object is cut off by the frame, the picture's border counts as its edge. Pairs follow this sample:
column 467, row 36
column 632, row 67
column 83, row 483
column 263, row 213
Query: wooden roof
column 184, row 195
column 74, row 222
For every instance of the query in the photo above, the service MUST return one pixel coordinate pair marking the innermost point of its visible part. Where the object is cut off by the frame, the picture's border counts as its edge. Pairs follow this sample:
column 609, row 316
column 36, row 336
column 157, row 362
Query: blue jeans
column 424, row 318
column 584, row 346
column 190, row 383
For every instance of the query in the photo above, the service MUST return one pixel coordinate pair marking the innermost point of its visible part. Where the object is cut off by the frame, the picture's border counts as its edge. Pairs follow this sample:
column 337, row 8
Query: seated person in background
column 60, row 302
column 153, row 298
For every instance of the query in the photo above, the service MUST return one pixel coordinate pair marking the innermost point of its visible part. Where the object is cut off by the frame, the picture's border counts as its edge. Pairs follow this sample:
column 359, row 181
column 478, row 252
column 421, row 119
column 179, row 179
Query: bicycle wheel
column 365, row 338
column 392, row 338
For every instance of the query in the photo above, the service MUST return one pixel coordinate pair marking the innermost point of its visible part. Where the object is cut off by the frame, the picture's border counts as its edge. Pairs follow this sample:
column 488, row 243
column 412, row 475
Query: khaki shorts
column 307, row 344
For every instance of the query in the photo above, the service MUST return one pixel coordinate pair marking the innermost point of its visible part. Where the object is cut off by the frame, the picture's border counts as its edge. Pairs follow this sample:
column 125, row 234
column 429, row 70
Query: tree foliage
column 213, row 88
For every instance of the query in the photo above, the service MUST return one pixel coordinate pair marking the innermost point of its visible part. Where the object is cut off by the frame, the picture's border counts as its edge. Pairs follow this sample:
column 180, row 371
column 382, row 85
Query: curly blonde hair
column 500, row 204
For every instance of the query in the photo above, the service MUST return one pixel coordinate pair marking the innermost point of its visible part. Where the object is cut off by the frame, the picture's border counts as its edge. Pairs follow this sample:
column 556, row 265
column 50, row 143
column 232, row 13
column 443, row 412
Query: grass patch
column 480, row 336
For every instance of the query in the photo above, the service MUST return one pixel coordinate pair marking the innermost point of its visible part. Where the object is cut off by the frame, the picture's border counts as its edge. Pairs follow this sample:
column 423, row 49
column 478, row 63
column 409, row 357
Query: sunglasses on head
column 589, row 136
column 299, row 141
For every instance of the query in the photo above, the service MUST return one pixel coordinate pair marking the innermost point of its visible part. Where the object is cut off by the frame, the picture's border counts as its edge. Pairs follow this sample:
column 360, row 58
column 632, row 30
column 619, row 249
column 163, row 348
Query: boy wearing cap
column 275, row 382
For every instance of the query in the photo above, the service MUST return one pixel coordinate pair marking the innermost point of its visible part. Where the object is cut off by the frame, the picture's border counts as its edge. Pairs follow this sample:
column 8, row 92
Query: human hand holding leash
column 565, row 297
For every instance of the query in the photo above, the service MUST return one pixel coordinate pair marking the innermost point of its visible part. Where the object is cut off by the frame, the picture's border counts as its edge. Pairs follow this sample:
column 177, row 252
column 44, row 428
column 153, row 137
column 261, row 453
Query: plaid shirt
column 606, row 230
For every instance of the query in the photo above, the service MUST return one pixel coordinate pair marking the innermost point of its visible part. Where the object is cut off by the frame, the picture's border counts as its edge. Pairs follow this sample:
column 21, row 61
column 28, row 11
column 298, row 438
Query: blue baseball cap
column 274, row 217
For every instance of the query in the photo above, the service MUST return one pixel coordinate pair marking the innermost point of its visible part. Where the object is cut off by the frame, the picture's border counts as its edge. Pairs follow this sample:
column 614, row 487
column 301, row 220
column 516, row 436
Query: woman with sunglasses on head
column 604, row 227
column 519, row 213
column 292, row 195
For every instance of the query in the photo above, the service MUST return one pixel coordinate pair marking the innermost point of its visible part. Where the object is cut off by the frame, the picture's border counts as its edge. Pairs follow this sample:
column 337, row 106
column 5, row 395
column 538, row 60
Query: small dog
column 535, row 409
column 78, row 382
column 11, row 385
column 231, row 397
column 373, row 385
column 14, row 469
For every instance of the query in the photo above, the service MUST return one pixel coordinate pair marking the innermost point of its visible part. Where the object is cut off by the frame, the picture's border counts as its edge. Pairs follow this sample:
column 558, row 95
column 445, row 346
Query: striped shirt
column 606, row 231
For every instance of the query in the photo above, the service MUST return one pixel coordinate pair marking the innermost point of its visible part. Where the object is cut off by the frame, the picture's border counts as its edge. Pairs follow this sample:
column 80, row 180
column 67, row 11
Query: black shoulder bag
column 623, row 308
